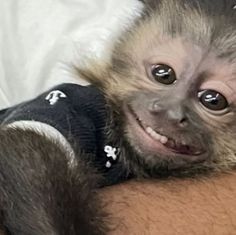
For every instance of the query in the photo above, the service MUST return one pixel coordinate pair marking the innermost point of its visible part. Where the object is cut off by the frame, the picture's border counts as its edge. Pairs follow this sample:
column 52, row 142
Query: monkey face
column 177, row 86
column 179, row 105
column 174, row 119
column 173, row 78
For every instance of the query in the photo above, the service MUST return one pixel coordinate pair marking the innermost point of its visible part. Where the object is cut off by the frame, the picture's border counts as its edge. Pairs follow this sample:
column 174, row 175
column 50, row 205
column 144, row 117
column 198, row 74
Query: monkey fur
column 170, row 89
column 197, row 39
column 40, row 193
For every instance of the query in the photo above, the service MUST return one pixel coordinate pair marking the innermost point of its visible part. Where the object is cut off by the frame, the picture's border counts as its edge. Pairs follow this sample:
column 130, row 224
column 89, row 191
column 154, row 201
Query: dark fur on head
column 208, row 29
column 40, row 194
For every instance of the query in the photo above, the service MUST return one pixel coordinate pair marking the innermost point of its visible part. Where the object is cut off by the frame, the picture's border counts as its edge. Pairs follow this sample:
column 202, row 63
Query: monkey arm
column 40, row 193
column 199, row 206
column 78, row 116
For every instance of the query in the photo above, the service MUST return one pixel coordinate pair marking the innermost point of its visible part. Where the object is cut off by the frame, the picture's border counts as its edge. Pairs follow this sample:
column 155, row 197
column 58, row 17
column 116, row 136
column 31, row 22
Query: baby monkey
column 164, row 104
column 172, row 81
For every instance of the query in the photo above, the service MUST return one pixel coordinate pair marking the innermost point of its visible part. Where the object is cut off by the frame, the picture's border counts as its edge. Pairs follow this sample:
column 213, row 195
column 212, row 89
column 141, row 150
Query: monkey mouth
column 173, row 145
column 166, row 144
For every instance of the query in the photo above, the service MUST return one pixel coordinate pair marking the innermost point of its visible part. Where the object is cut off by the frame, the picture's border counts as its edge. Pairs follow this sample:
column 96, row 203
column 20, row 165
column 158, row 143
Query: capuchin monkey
column 172, row 85
column 164, row 104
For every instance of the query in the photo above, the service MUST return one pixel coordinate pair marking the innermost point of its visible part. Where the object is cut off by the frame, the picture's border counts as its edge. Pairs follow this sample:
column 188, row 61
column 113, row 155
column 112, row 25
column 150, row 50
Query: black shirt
column 81, row 115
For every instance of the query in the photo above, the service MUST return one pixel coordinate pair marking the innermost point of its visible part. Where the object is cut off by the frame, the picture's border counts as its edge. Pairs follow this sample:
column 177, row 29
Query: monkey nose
column 178, row 117
column 155, row 107
column 173, row 114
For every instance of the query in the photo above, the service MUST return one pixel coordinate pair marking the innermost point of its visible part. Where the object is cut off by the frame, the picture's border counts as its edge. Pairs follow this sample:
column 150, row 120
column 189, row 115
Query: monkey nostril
column 174, row 115
column 177, row 116
column 155, row 107
column 183, row 122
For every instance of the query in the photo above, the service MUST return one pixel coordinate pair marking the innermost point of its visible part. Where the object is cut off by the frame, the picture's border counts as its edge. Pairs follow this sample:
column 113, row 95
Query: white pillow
column 41, row 39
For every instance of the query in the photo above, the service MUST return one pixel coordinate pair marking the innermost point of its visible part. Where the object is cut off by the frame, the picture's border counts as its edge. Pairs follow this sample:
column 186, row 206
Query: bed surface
column 41, row 39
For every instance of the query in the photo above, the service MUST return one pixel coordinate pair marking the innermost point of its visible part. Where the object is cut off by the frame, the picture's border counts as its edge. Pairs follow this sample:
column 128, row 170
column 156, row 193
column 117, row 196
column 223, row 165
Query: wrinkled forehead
column 206, row 25
column 206, row 22
column 196, row 28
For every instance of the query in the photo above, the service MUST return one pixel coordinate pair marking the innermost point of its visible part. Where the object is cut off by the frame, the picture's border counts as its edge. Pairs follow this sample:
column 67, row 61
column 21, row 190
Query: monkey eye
column 213, row 100
column 164, row 74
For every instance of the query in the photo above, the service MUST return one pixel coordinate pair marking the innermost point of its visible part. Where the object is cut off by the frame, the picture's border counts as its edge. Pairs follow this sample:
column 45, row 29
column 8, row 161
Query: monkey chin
column 155, row 148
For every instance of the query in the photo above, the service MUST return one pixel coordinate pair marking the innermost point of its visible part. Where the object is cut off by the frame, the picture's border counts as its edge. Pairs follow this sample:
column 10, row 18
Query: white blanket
column 41, row 39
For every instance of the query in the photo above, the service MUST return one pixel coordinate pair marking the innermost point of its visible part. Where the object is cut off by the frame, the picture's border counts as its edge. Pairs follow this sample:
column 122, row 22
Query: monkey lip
column 183, row 148
column 167, row 144
column 171, row 144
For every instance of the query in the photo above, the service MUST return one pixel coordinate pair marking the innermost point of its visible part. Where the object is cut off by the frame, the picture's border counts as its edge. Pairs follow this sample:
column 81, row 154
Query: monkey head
column 172, row 77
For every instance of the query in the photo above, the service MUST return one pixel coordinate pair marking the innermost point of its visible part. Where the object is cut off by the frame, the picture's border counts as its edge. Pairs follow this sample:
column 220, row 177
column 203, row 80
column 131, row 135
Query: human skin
column 174, row 206
column 200, row 206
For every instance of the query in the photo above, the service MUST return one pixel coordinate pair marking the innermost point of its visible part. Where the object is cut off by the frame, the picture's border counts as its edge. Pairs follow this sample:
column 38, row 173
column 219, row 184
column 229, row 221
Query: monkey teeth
column 156, row 136
column 176, row 147
column 173, row 145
